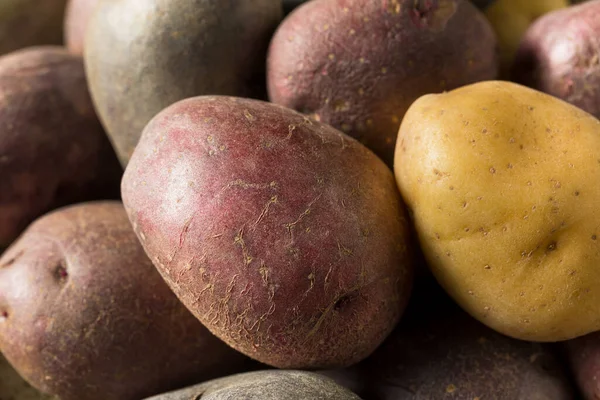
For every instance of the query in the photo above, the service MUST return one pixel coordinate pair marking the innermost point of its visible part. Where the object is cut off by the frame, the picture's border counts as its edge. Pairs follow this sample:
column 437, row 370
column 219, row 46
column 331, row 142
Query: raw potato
column 142, row 56
column 53, row 150
column 85, row 315
column 501, row 180
column 584, row 358
column 13, row 387
column 265, row 385
column 285, row 237
column 359, row 64
column 25, row 23
column 77, row 18
column 560, row 55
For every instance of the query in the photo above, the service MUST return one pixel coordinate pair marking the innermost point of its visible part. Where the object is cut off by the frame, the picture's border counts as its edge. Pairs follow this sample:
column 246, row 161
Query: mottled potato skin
column 502, row 183
column 85, row 315
column 265, row 385
column 77, row 19
column 440, row 352
column 142, row 56
column 560, row 55
column 53, row 150
column 25, row 23
column 359, row 64
column 285, row 237
column 584, row 358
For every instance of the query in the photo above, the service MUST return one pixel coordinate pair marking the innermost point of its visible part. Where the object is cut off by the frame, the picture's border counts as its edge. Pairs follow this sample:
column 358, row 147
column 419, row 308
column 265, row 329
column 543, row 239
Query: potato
column 142, row 56
column 265, row 385
column 25, row 23
column 501, row 180
column 53, row 150
column 560, row 55
column 285, row 237
column 13, row 387
column 584, row 358
column 359, row 64
column 85, row 315
column 440, row 352
column 77, row 18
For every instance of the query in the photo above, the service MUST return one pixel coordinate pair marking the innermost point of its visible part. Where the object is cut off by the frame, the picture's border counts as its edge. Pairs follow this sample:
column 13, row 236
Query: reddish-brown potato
column 560, row 55
column 77, row 18
column 359, row 64
column 584, row 357
column 285, row 237
column 85, row 315
column 53, row 150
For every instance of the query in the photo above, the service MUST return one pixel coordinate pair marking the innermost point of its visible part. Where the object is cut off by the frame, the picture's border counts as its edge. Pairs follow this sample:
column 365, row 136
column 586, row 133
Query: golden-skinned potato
column 502, row 183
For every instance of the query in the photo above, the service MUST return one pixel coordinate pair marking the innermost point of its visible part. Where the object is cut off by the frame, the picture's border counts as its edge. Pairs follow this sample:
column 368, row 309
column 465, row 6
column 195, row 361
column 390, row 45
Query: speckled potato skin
column 77, row 18
column 143, row 56
column 359, row 64
column 559, row 55
column 501, row 180
column 285, row 237
column 584, row 359
column 25, row 23
column 265, row 385
column 85, row 315
column 53, row 150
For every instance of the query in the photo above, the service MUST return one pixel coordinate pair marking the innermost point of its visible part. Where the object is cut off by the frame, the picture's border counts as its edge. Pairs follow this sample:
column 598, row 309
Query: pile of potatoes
column 287, row 199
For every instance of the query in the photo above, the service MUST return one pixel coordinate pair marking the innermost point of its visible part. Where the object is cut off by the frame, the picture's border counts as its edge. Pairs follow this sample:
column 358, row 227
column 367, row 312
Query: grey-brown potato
column 53, row 150
column 265, row 385
column 77, row 18
column 285, row 237
column 142, row 56
column 13, row 387
column 85, row 315
column 359, row 64
column 25, row 23
column 560, row 55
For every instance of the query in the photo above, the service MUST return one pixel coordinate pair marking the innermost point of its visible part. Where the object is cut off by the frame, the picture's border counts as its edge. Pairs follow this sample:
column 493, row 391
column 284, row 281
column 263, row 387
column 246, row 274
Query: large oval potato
column 85, row 315
column 53, row 150
column 142, row 56
column 285, row 237
column 77, row 18
column 559, row 55
column 359, row 64
column 501, row 180
column 265, row 385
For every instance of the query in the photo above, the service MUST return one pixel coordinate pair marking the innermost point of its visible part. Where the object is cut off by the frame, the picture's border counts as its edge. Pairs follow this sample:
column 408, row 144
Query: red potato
column 77, row 17
column 560, row 55
column 285, row 237
column 359, row 64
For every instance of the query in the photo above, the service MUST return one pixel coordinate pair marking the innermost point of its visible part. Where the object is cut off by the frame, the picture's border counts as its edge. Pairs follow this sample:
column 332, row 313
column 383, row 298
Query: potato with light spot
column 359, row 64
column 285, row 237
column 85, row 315
column 502, row 183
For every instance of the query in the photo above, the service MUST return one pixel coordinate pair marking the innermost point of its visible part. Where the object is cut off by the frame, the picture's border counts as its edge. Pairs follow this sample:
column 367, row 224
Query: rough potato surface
column 285, row 237
column 501, row 180
column 359, row 64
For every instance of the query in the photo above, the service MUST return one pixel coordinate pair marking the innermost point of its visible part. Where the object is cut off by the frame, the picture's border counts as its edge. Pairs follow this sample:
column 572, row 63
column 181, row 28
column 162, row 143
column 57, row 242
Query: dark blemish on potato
column 484, row 131
column 60, row 272
column 551, row 247
column 12, row 260
column 521, row 146
column 594, row 237
column 530, row 108
column 451, row 188
column 437, row 236
column 342, row 302
column 576, row 193
column 3, row 316
column 464, row 205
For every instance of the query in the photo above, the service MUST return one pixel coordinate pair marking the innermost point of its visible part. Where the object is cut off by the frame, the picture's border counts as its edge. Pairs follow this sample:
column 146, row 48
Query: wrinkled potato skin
column 584, row 358
column 501, row 180
column 142, row 56
column 359, row 70
column 53, row 150
column 265, row 385
column 85, row 315
column 25, row 23
column 77, row 19
column 559, row 55
column 282, row 235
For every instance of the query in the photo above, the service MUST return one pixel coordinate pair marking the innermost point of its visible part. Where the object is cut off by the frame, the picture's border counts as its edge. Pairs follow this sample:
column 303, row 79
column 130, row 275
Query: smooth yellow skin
column 511, row 18
column 504, row 184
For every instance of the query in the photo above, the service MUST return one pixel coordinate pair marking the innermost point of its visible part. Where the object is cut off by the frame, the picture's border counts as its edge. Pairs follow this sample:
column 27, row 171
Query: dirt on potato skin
column 53, row 150
column 285, row 237
column 359, row 64
column 85, row 315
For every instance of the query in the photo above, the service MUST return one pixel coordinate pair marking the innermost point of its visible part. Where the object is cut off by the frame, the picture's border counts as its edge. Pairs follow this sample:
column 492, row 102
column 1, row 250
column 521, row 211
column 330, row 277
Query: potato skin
column 265, row 385
column 501, row 180
column 584, row 358
column 142, row 56
column 85, row 315
column 53, row 150
column 282, row 235
column 559, row 55
column 77, row 18
column 359, row 64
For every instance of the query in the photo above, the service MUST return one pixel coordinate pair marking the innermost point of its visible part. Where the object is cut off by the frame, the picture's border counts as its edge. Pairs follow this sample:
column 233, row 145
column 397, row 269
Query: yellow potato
column 504, row 187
